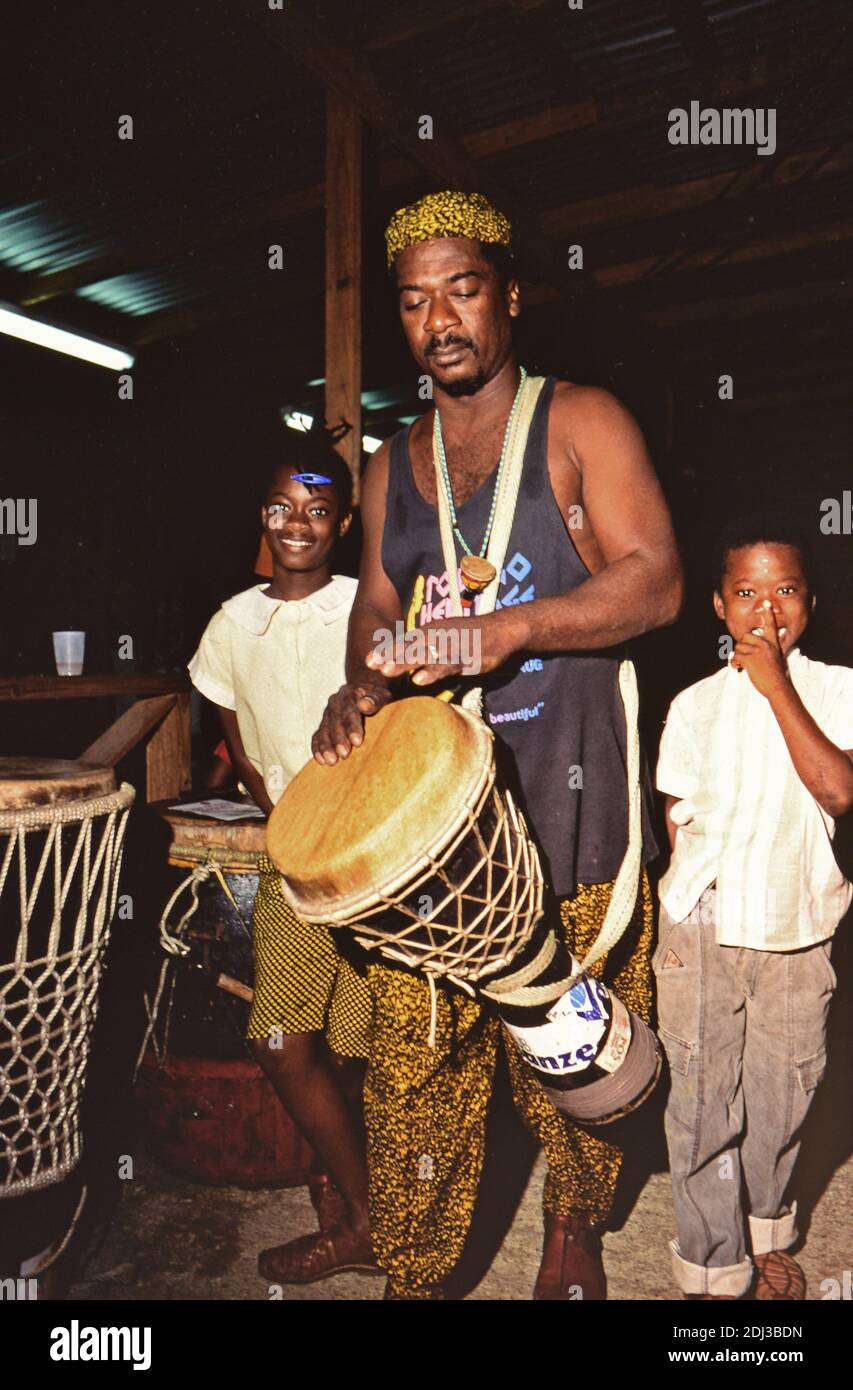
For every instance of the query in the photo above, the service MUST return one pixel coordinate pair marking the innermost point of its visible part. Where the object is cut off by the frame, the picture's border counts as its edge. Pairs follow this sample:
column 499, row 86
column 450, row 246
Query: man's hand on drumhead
column 342, row 727
column 453, row 647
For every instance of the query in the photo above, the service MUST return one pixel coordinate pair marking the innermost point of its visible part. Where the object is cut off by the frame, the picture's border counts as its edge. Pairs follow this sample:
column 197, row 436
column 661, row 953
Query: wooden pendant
column 477, row 573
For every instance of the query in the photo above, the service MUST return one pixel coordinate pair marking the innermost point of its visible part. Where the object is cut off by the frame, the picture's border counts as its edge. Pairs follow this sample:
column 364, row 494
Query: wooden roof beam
column 664, row 200
column 444, row 164
column 747, row 306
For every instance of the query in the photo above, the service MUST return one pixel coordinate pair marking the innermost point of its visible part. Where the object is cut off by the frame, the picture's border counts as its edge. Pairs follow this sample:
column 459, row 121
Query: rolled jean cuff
column 774, row 1233
column 733, row 1280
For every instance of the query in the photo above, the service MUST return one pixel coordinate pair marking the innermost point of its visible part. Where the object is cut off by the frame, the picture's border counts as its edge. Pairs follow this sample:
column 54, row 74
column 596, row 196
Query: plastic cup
column 68, row 649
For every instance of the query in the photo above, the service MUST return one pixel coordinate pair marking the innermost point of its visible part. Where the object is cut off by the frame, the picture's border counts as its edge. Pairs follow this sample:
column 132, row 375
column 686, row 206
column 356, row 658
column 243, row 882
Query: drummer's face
column 301, row 523
column 455, row 314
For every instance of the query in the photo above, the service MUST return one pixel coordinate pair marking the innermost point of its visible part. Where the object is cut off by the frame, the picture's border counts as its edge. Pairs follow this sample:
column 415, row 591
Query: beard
column 463, row 385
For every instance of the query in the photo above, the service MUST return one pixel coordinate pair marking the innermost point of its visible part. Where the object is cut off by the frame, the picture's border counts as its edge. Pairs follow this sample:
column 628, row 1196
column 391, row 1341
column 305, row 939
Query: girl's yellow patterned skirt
column 302, row 983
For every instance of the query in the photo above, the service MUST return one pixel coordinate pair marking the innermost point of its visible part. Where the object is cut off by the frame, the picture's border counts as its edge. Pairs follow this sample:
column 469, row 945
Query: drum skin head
column 342, row 834
column 29, row 782
column 235, row 845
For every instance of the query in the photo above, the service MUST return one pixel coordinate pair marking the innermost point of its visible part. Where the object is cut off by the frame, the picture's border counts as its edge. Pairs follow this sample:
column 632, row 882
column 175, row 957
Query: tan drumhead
column 28, row 782
column 235, row 845
column 340, row 834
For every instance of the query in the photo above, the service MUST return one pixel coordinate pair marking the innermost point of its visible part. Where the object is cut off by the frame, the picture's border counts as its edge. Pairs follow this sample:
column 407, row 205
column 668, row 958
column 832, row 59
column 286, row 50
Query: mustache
column 452, row 341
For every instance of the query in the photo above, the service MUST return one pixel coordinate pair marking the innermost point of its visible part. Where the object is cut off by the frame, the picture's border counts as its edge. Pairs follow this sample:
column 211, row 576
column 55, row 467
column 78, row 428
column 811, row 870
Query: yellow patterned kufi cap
column 446, row 214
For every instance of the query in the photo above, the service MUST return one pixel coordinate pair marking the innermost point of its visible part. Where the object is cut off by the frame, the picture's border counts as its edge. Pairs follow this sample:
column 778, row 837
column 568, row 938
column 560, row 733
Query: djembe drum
column 413, row 844
column 211, row 1114
column 224, row 859
column 62, row 827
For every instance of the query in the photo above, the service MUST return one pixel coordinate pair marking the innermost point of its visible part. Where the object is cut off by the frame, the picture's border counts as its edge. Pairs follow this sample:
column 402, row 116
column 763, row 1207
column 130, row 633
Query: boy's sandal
column 313, row 1257
column 780, row 1278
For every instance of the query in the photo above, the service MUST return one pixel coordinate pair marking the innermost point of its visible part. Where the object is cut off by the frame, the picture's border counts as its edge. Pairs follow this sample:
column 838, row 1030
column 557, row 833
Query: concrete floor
column 174, row 1240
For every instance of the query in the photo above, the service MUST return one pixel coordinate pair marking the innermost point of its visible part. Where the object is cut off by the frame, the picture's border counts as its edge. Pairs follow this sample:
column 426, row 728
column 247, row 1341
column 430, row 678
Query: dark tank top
column 558, row 719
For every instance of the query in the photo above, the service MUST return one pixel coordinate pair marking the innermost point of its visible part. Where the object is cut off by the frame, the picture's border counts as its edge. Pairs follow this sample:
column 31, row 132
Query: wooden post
column 168, row 755
column 129, row 729
column 343, row 276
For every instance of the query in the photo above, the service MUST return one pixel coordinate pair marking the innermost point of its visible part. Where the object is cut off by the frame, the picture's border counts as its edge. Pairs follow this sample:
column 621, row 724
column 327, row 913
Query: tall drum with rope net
column 62, row 829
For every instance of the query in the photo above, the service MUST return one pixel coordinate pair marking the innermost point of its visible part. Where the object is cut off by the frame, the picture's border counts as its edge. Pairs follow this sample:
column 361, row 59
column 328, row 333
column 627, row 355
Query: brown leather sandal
column 313, row 1257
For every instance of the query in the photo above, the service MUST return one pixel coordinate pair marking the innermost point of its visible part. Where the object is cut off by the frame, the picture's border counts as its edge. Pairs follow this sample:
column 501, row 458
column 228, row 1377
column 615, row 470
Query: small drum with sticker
column 413, row 843
column 211, row 1115
column 229, row 854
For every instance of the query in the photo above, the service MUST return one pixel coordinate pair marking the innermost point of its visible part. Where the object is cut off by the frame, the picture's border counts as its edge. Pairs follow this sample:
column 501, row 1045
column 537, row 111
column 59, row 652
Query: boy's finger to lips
column 768, row 621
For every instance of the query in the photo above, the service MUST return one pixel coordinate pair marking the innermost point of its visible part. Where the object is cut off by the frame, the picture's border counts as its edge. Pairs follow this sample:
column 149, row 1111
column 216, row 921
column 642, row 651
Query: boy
column 755, row 763
column 269, row 659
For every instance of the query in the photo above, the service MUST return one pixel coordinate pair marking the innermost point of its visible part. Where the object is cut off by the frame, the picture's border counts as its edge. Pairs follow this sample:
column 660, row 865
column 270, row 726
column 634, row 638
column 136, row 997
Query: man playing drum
column 590, row 562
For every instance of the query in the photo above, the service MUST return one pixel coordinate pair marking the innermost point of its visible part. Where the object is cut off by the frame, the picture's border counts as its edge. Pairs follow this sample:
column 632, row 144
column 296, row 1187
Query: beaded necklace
column 475, row 573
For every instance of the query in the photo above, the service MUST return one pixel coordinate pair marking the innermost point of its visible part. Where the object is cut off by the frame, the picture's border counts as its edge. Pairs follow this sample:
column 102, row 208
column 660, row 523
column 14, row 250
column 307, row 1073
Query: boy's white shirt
column 744, row 817
column 275, row 662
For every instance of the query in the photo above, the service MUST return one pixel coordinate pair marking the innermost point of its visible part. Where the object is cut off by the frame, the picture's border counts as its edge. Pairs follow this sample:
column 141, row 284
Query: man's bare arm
column 640, row 585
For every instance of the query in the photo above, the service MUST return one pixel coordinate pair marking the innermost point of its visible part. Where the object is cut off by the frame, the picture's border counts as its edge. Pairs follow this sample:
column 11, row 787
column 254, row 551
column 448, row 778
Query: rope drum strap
column 504, row 515
column 515, row 989
column 173, row 942
column 60, row 867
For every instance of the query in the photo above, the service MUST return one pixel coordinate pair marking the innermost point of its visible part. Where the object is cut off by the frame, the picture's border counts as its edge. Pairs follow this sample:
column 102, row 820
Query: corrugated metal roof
column 225, row 120
column 619, row 46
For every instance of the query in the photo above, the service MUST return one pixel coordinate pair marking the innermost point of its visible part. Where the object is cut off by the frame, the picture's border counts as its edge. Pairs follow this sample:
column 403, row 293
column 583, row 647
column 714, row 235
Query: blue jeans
column 745, row 1035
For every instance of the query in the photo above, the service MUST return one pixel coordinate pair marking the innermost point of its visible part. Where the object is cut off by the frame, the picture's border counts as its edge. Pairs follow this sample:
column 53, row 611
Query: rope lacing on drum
column 48, row 1005
column 173, row 943
column 515, row 989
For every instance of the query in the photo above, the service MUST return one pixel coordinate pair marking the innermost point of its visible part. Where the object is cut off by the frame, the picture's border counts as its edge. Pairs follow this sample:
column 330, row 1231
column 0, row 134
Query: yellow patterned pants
column 425, row 1109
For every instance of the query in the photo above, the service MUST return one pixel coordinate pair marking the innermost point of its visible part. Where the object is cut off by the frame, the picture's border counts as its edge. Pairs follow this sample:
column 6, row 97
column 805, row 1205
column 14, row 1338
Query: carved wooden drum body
column 413, row 844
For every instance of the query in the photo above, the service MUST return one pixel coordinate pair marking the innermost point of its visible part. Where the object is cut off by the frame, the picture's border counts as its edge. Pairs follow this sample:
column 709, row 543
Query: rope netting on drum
column 59, row 872
column 471, row 908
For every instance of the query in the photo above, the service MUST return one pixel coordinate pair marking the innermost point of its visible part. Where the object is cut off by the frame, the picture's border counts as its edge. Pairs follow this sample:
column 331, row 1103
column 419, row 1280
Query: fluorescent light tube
column 17, row 324
column 298, row 420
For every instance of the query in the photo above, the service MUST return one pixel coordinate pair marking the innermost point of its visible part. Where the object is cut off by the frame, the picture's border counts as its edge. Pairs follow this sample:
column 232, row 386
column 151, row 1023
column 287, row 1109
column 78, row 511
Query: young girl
column 269, row 659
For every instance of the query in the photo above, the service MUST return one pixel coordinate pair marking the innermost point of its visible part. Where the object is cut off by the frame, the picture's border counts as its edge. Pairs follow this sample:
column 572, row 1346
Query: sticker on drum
column 615, row 1050
column 569, row 1041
